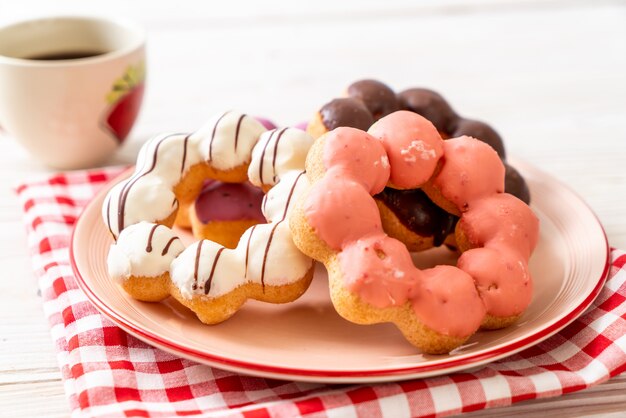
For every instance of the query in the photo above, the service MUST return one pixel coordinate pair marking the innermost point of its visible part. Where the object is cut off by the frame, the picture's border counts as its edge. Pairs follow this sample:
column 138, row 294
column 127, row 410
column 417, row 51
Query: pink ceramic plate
column 307, row 341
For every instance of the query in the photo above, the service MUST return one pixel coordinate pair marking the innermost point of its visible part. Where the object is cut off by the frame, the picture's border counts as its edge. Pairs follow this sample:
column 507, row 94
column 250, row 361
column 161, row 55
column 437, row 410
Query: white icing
column 158, row 170
column 273, row 259
column 160, row 166
column 129, row 256
column 149, row 199
column 281, row 264
column 227, row 275
column 274, row 202
column 216, row 139
column 293, row 146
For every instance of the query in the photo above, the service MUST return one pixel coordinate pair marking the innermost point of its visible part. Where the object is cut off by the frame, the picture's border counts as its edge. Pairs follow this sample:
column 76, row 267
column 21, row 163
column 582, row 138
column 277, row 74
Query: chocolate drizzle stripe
column 150, row 236
column 167, row 246
column 129, row 184
column 213, row 135
column 267, row 250
column 182, row 165
column 248, row 249
column 263, row 155
column 207, row 284
column 109, row 215
column 269, row 240
column 293, row 188
column 237, row 130
column 197, row 265
column 276, row 152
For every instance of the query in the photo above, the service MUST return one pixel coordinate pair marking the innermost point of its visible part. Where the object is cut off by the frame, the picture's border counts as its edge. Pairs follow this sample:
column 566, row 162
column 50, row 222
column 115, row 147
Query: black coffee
column 65, row 55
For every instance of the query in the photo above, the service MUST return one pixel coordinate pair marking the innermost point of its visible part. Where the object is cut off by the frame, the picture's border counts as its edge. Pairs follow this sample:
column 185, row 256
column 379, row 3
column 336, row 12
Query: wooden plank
column 44, row 398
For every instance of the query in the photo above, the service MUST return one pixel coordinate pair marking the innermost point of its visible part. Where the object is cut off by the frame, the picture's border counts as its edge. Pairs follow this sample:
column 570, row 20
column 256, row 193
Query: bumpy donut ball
column 431, row 105
column 379, row 99
column 371, row 276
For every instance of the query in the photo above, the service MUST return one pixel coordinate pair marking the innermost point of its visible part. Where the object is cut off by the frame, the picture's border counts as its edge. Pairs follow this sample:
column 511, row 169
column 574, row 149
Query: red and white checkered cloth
column 108, row 373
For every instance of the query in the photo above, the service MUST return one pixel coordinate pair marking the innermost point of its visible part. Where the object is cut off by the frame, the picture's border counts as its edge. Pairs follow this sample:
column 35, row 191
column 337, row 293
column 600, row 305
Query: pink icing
column 302, row 125
column 508, row 231
column 502, row 279
column 413, row 145
column 501, row 219
column 471, row 170
column 268, row 124
column 352, row 153
column 378, row 268
column 450, row 300
column 327, row 203
column 382, row 270
column 229, row 202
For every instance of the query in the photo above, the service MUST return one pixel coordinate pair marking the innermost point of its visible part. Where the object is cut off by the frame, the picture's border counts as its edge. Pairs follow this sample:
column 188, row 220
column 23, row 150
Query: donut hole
column 222, row 212
column 434, row 257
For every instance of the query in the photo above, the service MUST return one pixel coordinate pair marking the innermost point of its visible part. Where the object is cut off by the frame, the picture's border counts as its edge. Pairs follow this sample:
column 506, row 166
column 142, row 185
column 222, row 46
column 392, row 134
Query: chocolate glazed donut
column 379, row 99
column 434, row 107
column 346, row 112
column 419, row 214
column 370, row 100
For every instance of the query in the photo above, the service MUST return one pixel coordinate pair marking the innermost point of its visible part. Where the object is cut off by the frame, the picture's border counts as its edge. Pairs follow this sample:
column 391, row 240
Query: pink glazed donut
column 372, row 278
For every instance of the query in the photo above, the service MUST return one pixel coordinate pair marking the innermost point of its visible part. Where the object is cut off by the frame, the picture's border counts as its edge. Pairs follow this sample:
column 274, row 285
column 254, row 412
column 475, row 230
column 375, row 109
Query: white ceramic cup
column 71, row 112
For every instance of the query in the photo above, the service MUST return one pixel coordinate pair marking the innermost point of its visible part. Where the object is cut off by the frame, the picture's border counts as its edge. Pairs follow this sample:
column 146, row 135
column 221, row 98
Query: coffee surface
column 65, row 55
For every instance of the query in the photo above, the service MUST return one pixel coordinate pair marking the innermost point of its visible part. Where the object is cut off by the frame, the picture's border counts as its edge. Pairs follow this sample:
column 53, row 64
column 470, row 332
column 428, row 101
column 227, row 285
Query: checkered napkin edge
column 108, row 373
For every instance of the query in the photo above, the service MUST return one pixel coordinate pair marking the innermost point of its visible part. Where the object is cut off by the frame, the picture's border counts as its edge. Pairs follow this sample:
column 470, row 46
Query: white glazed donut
column 171, row 168
column 211, row 280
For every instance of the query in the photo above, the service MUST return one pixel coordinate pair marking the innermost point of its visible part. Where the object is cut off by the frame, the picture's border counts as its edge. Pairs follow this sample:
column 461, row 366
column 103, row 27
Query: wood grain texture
column 549, row 75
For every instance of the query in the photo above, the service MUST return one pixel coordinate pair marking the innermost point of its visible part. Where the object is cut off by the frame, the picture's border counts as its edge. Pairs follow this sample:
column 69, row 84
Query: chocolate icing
column 418, row 213
column 167, row 246
column 129, row 185
column 280, row 134
column 150, row 236
column 346, row 112
column 269, row 241
column 412, row 207
column 197, row 265
column 432, row 106
column 182, row 164
column 207, row 284
column 379, row 99
column 267, row 250
column 213, row 135
column 480, row 131
column 514, row 184
column 237, row 130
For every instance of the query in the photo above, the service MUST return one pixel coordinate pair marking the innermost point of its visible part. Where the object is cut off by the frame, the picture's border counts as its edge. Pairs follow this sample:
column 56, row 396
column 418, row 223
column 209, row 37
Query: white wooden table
column 549, row 75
